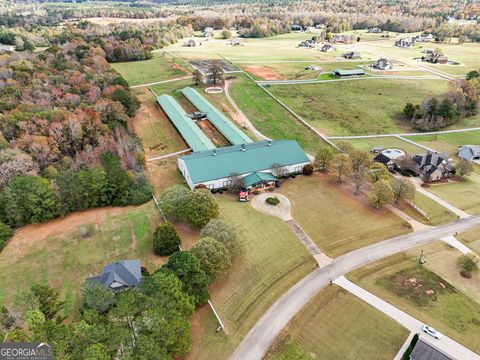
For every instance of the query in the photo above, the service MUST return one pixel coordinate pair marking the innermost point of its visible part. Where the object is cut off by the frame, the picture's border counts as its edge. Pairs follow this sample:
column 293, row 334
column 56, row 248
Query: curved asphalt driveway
column 268, row 327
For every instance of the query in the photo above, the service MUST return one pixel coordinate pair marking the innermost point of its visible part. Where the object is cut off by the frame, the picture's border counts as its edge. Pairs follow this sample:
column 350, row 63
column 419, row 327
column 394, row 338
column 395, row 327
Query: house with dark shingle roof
column 385, row 160
column 432, row 166
column 469, row 152
column 120, row 275
column 425, row 351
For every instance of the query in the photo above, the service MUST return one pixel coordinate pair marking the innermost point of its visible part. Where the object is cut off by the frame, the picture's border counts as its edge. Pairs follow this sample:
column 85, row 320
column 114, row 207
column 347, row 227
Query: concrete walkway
column 416, row 225
column 259, row 339
column 283, row 211
column 322, row 259
column 460, row 213
column 452, row 241
column 445, row 344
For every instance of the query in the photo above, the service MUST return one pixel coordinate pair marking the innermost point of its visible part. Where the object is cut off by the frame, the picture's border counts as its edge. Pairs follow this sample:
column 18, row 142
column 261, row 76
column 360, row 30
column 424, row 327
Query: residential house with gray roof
column 120, row 275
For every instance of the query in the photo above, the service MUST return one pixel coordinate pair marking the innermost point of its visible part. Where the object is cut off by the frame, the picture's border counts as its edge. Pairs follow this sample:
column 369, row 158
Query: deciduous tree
column 403, row 189
column 381, row 194
column 323, row 158
column 223, row 232
column 213, row 257
column 341, row 166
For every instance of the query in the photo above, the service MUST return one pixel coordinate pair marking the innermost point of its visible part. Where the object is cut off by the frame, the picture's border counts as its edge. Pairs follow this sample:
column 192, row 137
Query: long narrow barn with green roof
column 191, row 133
column 228, row 129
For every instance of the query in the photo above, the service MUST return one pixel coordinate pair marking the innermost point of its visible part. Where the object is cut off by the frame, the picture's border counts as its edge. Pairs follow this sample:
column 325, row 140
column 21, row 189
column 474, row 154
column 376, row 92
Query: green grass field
column 271, row 261
column 338, row 325
column 336, row 220
column 56, row 254
column 471, row 238
column 372, row 106
column 446, row 309
column 448, row 142
column 442, row 260
column 269, row 117
column 463, row 195
column 161, row 67
column 292, row 70
column 437, row 213
column 466, row 54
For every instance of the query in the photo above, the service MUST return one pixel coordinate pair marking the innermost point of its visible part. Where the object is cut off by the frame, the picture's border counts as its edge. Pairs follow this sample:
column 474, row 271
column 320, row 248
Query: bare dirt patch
column 38, row 232
column 264, row 72
column 212, row 133
column 152, row 125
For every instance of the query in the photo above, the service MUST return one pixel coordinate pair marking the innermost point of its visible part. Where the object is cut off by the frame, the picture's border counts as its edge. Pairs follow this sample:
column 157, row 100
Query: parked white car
column 431, row 331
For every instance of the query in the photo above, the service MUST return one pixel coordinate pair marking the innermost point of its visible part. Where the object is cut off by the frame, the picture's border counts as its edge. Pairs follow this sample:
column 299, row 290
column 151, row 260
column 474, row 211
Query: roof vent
column 269, row 143
column 214, row 152
column 243, row 147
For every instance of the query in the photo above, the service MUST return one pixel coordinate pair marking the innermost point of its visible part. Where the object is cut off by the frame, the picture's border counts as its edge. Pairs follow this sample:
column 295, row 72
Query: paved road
column 445, row 344
column 268, row 327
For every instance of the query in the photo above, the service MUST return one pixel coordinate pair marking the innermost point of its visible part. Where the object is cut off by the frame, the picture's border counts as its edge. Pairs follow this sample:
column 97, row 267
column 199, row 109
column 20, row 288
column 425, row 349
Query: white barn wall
column 220, row 183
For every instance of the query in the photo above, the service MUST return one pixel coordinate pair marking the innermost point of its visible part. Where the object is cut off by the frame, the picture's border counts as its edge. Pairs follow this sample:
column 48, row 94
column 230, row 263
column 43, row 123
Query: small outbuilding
column 347, row 73
column 352, row 55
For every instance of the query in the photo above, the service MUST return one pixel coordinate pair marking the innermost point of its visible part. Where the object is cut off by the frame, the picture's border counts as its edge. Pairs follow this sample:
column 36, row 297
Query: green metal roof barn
column 191, row 133
column 231, row 132
column 242, row 159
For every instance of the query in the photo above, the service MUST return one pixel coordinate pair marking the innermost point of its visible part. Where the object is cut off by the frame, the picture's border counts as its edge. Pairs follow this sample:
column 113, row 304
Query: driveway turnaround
column 268, row 327
column 445, row 344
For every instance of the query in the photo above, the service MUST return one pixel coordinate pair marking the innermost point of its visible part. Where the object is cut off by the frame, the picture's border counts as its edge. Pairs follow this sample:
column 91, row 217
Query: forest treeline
column 66, row 140
column 259, row 18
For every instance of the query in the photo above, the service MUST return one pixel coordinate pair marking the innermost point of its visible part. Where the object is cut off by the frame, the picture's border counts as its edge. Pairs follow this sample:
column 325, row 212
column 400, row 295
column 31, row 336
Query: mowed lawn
column 400, row 281
column 269, row 117
column 56, row 254
column 450, row 142
column 471, row 238
column 161, row 66
column 338, row 325
column 271, row 261
column 370, row 106
column 335, row 219
column 463, row 195
column 436, row 212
